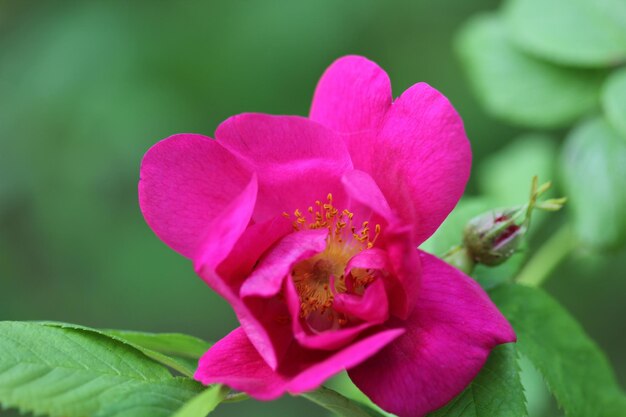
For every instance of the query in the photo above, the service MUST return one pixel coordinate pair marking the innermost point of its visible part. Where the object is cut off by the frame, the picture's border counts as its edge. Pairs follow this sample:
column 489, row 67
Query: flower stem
column 547, row 258
column 459, row 258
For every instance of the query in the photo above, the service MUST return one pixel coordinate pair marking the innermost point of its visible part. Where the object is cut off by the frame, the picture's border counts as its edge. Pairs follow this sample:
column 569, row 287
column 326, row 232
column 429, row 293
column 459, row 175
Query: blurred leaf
column 450, row 233
column 338, row 404
column 74, row 373
column 506, row 175
column 614, row 101
column 496, row 391
column 575, row 370
column 519, row 88
column 593, row 165
column 203, row 403
column 570, row 32
column 491, row 276
column 177, row 342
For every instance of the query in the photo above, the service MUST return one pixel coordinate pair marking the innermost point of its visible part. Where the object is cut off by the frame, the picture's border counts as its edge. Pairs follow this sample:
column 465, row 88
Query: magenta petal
column 352, row 95
column 227, row 227
column 223, row 237
column 270, row 338
column 261, row 311
column 400, row 256
column 252, row 244
column 373, row 258
column 361, row 187
column 331, row 339
column 372, row 306
column 318, row 368
column 297, row 160
column 258, row 319
column 270, row 335
column 448, row 339
column 425, row 136
column 185, row 181
column 422, row 159
column 235, row 362
column 404, row 281
column 267, row 278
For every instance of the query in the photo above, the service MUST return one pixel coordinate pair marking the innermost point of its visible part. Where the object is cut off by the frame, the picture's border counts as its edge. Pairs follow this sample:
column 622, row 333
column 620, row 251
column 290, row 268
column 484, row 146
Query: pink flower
column 309, row 228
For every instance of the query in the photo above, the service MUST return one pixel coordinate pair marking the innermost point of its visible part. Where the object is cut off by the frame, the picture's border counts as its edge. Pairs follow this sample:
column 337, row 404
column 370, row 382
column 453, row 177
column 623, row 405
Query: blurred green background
column 87, row 87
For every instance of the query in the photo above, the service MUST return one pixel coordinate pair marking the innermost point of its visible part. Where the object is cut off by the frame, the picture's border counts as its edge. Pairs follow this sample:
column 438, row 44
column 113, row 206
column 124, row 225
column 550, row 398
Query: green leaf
column 519, row 88
column 575, row 370
column 338, row 404
column 152, row 400
column 153, row 345
column 69, row 372
column 614, row 101
column 343, row 384
column 593, row 167
column 176, row 344
column 203, row 403
column 496, row 391
column 505, row 176
column 538, row 398
column 570, row 32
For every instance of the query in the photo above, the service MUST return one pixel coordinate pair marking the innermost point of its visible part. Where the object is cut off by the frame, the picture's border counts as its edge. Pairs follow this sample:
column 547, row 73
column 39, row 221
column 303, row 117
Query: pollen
column 320, row 278
column 339, row 223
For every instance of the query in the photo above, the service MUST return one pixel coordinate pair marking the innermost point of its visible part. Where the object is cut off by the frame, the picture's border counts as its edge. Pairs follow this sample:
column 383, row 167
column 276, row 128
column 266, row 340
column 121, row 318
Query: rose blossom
column 309, row 228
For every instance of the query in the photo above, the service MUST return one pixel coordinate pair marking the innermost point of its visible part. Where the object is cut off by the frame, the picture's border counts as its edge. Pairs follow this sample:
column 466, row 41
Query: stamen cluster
column 320, row 278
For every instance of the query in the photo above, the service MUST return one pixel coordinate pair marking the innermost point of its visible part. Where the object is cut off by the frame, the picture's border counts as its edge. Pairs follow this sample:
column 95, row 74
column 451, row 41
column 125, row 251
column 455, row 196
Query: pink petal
column 449, row 336
column 331, row 339
column 266, row 322
column 372, row 306
column 258, row 318
column 235, row 362
column 374, row 258
column 362, row 188
column 254, row 242
column 400, row 256
column 404, row 280
column 267, row 278
column 225, row 234
column 226, row 228
column 422, row 159
column 185, row 181
column 298, row 161
column 314, row 367
column 352, row 95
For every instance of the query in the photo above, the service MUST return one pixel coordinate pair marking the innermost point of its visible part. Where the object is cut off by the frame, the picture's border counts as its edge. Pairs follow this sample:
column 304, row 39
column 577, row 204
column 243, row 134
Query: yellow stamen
column 312, row 277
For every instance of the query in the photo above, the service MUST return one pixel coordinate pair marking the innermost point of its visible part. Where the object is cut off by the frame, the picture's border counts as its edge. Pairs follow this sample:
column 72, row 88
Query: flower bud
column 493, row 237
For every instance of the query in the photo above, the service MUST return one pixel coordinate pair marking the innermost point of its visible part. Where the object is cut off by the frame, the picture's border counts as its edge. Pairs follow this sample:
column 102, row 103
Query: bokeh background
column 87, row 87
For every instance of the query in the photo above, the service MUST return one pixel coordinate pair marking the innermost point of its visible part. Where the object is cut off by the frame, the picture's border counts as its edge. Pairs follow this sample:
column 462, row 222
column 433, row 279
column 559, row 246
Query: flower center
column 319, row 278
